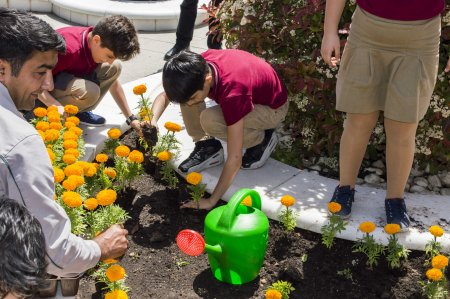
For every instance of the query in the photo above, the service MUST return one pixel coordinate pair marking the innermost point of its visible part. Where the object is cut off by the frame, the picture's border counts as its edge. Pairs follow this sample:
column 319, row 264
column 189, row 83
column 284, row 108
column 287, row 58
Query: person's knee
column 116, row 68
column 89, row 94
column 208, row 121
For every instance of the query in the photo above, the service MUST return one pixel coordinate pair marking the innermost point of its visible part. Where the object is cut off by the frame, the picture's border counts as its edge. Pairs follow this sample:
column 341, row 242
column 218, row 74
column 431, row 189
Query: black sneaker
column 90, row 119
column 256, row 156
column 345, row 196
column 396, row 213
column 206, row 154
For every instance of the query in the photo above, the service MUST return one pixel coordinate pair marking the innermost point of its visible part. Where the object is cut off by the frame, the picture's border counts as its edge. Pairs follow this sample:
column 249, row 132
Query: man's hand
column 113, row 242
column 136, row 125
column 203, row 204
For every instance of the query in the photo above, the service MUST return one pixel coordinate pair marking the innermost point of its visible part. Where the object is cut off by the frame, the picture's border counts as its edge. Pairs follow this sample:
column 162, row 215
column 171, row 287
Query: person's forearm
column 159, row 105
column 227, row 176
column 46, row 98
column 118, row 95
column 333, row 12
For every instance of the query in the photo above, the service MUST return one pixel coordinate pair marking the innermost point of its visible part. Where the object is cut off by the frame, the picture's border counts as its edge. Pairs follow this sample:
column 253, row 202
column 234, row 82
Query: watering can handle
column 229, row 214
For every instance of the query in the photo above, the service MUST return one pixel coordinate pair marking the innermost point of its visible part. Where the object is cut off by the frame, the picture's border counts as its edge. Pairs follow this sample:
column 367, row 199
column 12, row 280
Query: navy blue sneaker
column 90, row 119
column 345, row 196
column 396, row 213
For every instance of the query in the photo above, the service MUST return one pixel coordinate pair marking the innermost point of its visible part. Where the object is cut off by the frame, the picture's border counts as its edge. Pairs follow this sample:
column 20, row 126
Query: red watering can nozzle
column 190, row 242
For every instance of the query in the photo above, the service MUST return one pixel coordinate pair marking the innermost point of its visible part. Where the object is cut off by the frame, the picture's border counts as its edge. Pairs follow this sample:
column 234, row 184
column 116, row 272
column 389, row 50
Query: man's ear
column 3, row 65
column 97, row 40
column 208, row 79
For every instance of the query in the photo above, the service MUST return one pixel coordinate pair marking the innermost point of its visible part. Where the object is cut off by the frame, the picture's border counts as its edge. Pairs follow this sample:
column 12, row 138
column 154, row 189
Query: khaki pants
column 202, row 122
column 85, row 94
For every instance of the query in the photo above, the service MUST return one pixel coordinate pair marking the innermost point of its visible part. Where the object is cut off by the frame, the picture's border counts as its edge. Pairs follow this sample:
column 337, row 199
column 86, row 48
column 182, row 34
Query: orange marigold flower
column 72, row 199
column 392, row 228
column 40, row 112
column 116, row 294
column 115, row 273
column 42, row 125
column 101, row 158
column 194, row 178
column 122, row 151
column 70, row 136
column 273, row 294
column 136, row 157
column 51, row 154
column 110, row 261
column 76, row 130
column 367, row 227
column 106, row 197
column 434, row 274
column 72, row 151
column 164, row 156
column 56, row 126
column 69, row 159
column 70, row 144
column 287, row 200
column 173, row 127
column 42, row 134
column 51, row 135
column 91, row 170
column 436, row 230
column 69, row 124
column 73, row 169
column 139, row 89
column 58, row 174
column 114, row 133
column 53, row 116
column 91, row 204
column 71, row 109
column 247, row 201
column 52, row 108
column 78, row 179
column 73, row 119
column 110, row 172
column 69, row 185
column 334, row 207
column 439, row 261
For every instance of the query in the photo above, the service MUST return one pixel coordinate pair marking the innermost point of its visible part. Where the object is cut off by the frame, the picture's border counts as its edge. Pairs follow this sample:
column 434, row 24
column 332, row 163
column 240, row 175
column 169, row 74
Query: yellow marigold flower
column 194, row 178
column 247, row 201
column 110, row 261
column 101, row 158
column 69, row 159
column 136, row 157
column 53, row 116
column 91, row 170
column 52, row 108
column 91, row 204
column 436, row 230
column 287, row 200
column 56, row 126
column 439, row 262
column 42, row 134
column 392, row 228
column 164, row 156
column 51, row 135
column 96, row 165
column 116, row 294
column 273, row 294
column 110, row 172
column 73, row 119
column 72, row 151
column 51, row 154
column 334, row 207
column 76, row 130
column 71, row 109
column 114, row 133
column 40, row 112
column 115, row 273
column 106, row 197
column 139, row 89
column 173, row 127
column 367, row 227
column 58, row 174
column 72, row 199
column 42, row 125
column 69, row 124
column 434, row 274
column 70, row 144
column 122, row 151
column 73, row 169
column 70, row 136
column 146, row 118
column 69, row 185
column 78, row 179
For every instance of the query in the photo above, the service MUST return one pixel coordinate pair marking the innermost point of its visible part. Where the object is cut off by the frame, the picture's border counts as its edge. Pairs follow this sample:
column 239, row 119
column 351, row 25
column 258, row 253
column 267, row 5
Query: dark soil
column 156, row 268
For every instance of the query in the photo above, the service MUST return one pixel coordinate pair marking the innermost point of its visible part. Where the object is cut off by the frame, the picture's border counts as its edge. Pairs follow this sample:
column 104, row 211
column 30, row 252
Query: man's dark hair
column 21, row 34
column 183, row 75
column 22, row 248
column 118, row 35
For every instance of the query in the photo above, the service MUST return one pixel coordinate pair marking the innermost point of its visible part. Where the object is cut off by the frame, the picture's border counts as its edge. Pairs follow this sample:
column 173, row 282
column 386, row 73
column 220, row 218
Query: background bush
column 288, row 34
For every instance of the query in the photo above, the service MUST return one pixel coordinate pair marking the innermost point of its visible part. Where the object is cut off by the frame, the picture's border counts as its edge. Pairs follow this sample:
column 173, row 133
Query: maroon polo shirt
column 78, row 59
column 403, row 10
column 242, row 80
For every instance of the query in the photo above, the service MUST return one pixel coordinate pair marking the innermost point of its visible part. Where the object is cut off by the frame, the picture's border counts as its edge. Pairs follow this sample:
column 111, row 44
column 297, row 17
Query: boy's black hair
column 183, row 75
column 22, row 247
column 118, row 35
column 21, row 34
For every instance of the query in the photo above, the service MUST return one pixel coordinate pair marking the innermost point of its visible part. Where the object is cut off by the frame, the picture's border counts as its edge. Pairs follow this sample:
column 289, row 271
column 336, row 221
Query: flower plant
column 433, row 247
column 334, row 226
column 367, row 244
column 279, row 287
column 395, row 251
column 197, row 189
column 288, row 216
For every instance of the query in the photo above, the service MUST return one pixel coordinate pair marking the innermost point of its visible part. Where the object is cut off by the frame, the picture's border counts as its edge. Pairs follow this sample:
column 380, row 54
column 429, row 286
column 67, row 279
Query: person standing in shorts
column 389, row 64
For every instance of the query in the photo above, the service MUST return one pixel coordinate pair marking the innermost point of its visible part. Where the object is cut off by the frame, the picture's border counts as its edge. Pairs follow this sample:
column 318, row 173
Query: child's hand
column 330, row 44
column 136, row 125
column 447, row 67
column 202, row 204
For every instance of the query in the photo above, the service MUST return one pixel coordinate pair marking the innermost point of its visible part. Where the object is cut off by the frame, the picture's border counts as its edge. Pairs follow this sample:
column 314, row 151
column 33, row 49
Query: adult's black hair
column 118, row 35
column 21, row 34
column 183, row 75
column 22, row 248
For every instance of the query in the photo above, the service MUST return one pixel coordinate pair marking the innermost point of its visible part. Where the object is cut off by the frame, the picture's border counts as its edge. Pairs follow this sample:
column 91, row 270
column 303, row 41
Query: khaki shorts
column 389, row 66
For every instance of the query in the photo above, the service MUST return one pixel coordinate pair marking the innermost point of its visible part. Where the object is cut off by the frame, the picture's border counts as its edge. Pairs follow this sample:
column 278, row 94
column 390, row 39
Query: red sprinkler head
column 190, row 242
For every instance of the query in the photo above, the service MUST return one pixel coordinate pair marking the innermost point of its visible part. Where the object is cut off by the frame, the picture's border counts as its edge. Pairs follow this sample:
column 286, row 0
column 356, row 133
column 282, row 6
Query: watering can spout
column 213, row 248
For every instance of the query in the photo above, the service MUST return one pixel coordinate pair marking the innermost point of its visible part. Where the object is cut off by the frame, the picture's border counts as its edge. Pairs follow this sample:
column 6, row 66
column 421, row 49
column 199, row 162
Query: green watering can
column 236, row 239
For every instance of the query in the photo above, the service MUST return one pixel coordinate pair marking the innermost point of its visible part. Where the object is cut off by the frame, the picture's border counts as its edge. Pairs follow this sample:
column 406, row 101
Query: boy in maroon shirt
column 252, row 102
column 91, row 67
